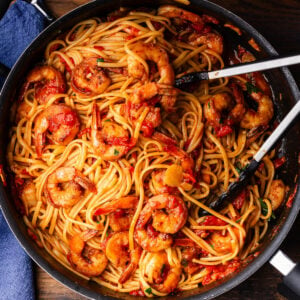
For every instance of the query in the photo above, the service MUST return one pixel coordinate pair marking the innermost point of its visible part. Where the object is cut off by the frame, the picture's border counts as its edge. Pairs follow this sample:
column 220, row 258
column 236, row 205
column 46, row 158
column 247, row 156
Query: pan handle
column 289, row 269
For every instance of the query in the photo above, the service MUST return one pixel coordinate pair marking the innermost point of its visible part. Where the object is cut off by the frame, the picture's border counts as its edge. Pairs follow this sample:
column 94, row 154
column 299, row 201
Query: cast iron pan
column 281, row 82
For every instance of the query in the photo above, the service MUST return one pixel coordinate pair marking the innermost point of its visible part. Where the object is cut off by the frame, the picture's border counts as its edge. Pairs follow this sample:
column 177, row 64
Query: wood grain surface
column 279, row 22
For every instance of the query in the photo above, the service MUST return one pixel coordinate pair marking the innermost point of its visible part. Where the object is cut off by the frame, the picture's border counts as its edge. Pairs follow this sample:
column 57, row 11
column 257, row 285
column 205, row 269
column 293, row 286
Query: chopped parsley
column 107, row 120
column 100, row 60
column 264, row 207
column 221, row 121
column 239, row 168
column 212, row 246
column 148, row 291
column 251, row 88
column 116, row 152
column 208, row 103
column 106, row 233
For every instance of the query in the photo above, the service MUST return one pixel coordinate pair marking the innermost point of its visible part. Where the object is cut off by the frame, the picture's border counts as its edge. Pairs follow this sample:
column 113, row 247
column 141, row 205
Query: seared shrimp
column 188, row 254
column 153, row 53
column 162, row 275
column 61, row 121
column 277, row 193
column 213, row 40
column 117, row 252
column 47, row 82
column 169, row 215
column 85, row 259
column 262, row 116
column 28, row 195
column 65, row 185
column 221, row 243
column 166, row 95
column 109, row 139
column 88, row 79
column 120, row 212
column 214, row 107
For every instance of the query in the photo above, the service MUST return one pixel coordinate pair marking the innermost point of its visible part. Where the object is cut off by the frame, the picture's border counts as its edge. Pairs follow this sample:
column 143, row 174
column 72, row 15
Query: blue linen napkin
column 18, row 27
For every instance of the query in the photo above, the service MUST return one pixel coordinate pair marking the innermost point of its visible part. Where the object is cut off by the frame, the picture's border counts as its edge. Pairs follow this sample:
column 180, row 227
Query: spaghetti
column 114, row 166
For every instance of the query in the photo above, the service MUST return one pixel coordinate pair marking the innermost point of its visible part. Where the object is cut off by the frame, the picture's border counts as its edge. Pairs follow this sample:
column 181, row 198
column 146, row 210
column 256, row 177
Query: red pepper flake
column 19, row 181
column 198, row 27
column 290, row 201
column 261, row 166
column 130, row 37
column 68, row 68
column 234, row 28
column 131, row 169
column 84, row 131
column 209, row 19
column 2, row 175
column 278, row 162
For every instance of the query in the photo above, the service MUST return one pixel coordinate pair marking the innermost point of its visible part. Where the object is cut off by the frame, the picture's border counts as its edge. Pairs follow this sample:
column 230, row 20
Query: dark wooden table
column 279, row 22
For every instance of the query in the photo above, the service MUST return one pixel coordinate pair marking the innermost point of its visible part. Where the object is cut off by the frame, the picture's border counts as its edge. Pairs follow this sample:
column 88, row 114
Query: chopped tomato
column 210, row 19
column 163, row 138
column 234, row 28
column 198, row 27
column 220, row 271
column 68, row 68
column 290, row 201
column 278, row 162
column 223, row 130
column 239, row 200
column 213, row 221
column 100, row 48
column 137, row 293
column 147, row 128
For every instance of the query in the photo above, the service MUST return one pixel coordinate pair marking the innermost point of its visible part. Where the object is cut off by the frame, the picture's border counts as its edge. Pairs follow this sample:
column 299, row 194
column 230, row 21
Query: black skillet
column 282, row 83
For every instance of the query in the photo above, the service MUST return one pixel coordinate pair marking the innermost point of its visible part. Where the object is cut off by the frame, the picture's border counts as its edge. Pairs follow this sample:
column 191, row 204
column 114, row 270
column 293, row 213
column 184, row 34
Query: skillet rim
column 222, row 287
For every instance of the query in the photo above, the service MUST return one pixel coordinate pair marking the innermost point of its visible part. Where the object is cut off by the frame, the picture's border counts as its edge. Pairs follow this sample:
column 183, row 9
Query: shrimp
column 171, row 11
column 117, row 252
column 262, row 116
column 277, row 193
column 188, row 254
column 153, row 53
column 64, row 187
column 85, row 259
column 166, row 95
column 58, row 119
column 120, row 212
column 109, row 139
column 201, row 34
column 162, row 275
column 221, row 243
column 47, row 82
column 159, row 184
column 214, row 107
column 212, row 40
column 28, row 195
column 88, row 79
column 23, row 111
column 168, row 214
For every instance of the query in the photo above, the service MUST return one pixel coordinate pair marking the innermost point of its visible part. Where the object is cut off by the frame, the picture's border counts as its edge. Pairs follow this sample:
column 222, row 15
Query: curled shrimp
column 109, row 139
column 65, row 186
column 117, row 252
column 262, row 116
column 168, row 214
column 221, row 243
column 277, row 193
column 161, row 274
column 153, row 53
column 85, row 259
column 88, row 79
column 59, row 120
column 120, row 212
column 28, row 195
column 47, row 82
column 23, row 111
column 166, row 95
column 201, row 34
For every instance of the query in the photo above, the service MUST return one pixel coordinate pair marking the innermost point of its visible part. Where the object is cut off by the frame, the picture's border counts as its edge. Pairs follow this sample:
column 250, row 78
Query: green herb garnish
column 264, row 207
column 116, row 152
column 238, row 167
column 212, row 246
column 148, row 291
column 100, row 60
column 107, row 120
column 208, row 103
column 221, row 121
column 251, row 88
